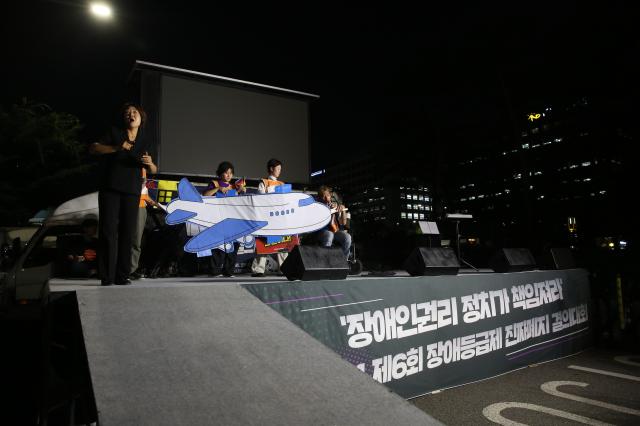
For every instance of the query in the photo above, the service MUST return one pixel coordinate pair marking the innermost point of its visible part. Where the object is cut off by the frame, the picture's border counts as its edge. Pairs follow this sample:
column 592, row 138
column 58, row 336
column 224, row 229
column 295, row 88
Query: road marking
column 552, row 389
column 605, row 372
column 344, row 304
column 627, row 360
column 492, row 412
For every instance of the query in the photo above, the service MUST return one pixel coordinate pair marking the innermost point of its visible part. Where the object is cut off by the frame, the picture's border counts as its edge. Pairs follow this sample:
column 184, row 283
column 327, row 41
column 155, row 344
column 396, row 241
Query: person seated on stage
column 268, row 185
column 335, row 231
column 220, row 260
column 223, row 183
column 81, row 255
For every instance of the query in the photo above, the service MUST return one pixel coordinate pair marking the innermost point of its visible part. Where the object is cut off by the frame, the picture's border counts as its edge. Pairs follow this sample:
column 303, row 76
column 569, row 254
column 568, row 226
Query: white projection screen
column 203, row 122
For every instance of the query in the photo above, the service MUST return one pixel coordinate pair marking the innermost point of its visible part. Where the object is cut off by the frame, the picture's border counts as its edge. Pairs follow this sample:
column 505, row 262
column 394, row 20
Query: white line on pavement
column 627, row 360
column 492, row 412
column 552, row 389
column 605, row 372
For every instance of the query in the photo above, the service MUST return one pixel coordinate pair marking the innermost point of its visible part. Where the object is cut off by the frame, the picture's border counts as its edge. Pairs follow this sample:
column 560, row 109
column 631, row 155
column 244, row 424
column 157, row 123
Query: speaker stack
column 432, row 261
column 512, row 260
column 309, row 263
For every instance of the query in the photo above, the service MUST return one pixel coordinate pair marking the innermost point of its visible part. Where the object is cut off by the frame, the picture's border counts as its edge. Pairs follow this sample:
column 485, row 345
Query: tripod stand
column 458, row 246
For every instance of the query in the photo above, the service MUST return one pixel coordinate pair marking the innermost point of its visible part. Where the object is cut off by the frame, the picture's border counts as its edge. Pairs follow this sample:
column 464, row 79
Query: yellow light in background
column 101, row 10
column 611, row 245
column 533, row 117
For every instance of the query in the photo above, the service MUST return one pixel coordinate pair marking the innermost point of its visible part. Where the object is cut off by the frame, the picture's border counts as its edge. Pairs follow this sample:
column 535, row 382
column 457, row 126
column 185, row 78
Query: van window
column 50, row 247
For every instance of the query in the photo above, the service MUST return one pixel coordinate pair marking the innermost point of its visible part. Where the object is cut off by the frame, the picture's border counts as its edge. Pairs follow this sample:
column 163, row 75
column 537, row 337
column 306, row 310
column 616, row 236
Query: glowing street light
column 101, row 10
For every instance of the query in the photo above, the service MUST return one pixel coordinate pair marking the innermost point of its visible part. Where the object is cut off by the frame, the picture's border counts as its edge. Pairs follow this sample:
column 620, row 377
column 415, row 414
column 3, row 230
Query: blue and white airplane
column 224, row 220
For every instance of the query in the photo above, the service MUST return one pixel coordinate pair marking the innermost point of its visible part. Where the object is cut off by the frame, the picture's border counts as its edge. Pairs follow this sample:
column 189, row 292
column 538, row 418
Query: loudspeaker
column 432, row 261
column 512, row 260
column 562, row 258
column 309, row 263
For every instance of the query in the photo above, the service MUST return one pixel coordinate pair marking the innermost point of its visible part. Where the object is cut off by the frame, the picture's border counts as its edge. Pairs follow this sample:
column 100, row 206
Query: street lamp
column 101, row 10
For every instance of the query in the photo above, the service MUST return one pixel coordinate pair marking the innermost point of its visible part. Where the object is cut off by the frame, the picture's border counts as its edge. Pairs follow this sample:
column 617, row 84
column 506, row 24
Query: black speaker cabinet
column 310, row 263
column 562, row 258
column 432, row 261
column 512, row 260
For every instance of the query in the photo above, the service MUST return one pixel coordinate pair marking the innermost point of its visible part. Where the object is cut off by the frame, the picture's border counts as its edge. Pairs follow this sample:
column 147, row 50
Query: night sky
column 397, row 74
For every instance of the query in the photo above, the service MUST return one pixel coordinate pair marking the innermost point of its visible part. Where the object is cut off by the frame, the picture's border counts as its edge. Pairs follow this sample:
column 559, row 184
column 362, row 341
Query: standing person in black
column 124, row 152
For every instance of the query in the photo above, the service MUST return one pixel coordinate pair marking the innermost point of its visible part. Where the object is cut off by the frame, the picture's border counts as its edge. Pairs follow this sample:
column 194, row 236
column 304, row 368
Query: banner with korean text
column 420, row 334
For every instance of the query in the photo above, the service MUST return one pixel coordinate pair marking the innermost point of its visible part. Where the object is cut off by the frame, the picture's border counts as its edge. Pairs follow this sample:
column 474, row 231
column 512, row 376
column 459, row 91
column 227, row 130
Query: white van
column 28, row 270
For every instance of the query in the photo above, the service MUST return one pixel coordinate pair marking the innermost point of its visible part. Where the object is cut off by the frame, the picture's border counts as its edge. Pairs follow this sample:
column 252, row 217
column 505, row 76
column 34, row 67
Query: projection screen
column 205, row 122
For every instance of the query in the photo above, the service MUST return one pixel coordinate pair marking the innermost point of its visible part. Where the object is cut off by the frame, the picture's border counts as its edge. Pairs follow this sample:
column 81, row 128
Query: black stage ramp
column 214, row 354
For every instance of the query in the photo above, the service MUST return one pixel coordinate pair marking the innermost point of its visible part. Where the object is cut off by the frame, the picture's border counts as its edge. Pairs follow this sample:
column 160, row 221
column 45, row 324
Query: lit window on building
column 586, row 180
column 408, row 206
column 603, row 192
column 557, row 140
column 427, row 208
column 421, row 215
column 517, row 176
column 403, row 215
column 538, row 173
column 403, row 196
column 420, row 197
column 573, row 166
column 472, row 198
column 586, row 164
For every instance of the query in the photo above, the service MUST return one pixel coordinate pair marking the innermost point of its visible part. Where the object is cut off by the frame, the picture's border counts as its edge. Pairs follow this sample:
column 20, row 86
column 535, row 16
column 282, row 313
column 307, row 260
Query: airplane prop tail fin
column 186, row 191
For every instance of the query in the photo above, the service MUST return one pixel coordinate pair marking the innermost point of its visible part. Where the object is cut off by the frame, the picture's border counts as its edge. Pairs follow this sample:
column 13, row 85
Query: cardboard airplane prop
column 223, row 220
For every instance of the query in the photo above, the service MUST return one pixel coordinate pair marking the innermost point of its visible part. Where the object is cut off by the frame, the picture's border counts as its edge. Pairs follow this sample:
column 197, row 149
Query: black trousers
column 118, row 223
column 222, row 261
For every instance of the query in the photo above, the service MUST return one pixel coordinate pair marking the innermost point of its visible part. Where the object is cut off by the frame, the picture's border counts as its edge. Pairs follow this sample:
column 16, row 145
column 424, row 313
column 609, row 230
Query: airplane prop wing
column 225, row 231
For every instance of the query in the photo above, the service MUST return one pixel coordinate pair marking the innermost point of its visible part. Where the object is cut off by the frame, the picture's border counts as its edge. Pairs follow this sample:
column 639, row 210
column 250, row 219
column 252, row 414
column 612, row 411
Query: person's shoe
column 257, row 274
column 228, row 275
column 125, row 282
column 135, row 275
column 106, row 283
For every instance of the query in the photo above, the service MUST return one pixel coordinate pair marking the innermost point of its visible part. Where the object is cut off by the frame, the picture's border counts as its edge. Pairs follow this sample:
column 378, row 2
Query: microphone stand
column 458, row 247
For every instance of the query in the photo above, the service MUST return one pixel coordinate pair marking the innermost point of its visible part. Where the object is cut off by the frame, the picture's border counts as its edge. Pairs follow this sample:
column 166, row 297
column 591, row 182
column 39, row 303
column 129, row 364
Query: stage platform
column 61, row 284
column 243, row 350
column 202, row 351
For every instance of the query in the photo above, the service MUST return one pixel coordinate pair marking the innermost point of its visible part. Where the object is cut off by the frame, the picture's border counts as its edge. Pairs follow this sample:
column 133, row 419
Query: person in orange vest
column 268, row 185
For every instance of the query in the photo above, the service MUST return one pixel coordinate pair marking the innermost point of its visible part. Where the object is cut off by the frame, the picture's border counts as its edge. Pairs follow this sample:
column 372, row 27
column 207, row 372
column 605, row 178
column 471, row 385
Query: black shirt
column 122, row 170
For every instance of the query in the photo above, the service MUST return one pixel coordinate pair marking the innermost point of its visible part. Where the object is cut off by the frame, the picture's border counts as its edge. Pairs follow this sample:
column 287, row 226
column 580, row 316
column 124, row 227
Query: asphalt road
column 594, row 387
